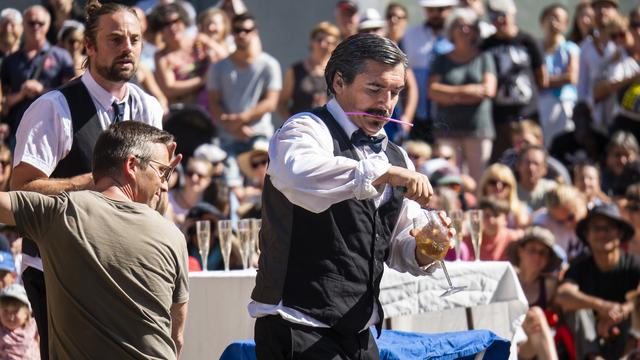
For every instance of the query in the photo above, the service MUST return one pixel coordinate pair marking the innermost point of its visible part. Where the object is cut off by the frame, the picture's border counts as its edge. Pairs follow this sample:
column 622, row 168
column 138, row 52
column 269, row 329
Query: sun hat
column 16, row 291
column 210, row 152
column 437, row 3
column 542, row 235
column 371, row 19
column 259, row 145
column 611, row 212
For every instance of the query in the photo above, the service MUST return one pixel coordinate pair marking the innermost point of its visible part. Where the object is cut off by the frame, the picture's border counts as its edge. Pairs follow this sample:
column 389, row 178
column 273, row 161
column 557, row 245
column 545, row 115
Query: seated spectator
column 253, row 165
column 197, row 174
column 622, row 149
column 179, row 68
column 586, row 177
column 449, row 176
column 304, row 87
column 630, row 209
column 535, row 258
column 8, row 273
column 418, row 151
column 531, row 169
column 496, row 236
column 564, row 207
column 584, row 143
column 598, row 283
column 10, row 31
column 525, row 133
column 446, row 152
column 19, row 337
column 206, row 211
column 498, row 182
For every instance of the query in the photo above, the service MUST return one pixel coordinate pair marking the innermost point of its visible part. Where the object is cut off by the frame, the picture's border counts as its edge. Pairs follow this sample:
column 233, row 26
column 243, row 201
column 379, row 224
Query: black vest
column 327, row 265
column 86, row 129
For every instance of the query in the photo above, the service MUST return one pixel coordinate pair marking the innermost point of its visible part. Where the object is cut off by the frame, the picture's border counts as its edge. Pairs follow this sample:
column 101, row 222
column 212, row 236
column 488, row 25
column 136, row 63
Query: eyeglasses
column 163, row 173
column 35, row 23
column 495, row 183
column 396, row 17
column 239, row 30
column 260, row 162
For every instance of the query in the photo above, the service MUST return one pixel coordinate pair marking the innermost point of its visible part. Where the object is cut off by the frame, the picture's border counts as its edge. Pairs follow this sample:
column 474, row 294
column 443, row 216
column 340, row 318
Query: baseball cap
column 6, row 261
column 348, row 6
column 16, row 291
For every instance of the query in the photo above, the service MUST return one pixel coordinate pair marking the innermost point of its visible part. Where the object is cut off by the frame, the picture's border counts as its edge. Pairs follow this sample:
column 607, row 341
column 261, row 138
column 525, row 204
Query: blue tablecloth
column 399, row 345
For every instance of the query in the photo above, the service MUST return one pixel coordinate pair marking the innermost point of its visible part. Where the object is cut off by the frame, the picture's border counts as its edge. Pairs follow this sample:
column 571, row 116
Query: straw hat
column 545, row 237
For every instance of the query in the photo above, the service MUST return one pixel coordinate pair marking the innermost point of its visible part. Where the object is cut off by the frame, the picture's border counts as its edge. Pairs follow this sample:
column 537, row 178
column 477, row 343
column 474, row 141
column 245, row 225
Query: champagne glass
column 246, row 245
column 431, row 228
column 457, row 221
column 475, row 230
column 203, row 231
column 256, row 224
column 225, row 233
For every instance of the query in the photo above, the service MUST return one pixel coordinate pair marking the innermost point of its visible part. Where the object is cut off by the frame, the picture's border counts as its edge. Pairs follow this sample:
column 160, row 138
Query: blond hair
column 418, row 147
column 527, row 127
column 503, row 173
column 326, row 28
column 565, row 196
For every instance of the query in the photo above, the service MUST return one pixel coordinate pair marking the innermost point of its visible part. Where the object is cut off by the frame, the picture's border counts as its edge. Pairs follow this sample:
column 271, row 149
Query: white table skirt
column 218, row 304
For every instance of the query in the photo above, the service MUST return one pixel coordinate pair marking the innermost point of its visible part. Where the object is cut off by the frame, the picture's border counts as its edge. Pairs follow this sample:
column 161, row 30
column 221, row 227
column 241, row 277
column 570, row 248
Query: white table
column 493, row 300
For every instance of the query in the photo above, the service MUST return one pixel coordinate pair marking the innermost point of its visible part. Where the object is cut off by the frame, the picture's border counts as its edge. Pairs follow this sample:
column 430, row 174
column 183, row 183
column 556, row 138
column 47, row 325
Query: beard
column 115, row 73
column 8, row 38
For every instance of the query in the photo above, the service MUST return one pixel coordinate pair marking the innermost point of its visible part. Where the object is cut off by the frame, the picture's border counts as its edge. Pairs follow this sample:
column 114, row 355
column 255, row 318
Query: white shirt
column 591, row 66
column 45, row 134
column 303, row 167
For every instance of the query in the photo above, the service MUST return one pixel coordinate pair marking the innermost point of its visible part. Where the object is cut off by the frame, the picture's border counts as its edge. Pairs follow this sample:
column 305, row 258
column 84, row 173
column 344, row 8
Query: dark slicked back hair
column 93, row 11
column 122, row 139
column 350, row 56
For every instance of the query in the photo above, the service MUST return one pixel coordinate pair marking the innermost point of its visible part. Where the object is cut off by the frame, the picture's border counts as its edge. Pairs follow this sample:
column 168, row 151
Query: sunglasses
column 494, row 182
column 239, row 30
column 163, row 173
column 259, row 162
column 35, row 23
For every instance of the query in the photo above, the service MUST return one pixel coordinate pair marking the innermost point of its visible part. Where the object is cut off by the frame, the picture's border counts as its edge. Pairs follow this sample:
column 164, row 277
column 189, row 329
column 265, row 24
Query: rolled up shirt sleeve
column 304, row 168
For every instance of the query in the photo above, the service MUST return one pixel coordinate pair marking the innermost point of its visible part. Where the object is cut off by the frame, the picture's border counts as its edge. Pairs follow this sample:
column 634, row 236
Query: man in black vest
column 334, row 211
column 55, row 139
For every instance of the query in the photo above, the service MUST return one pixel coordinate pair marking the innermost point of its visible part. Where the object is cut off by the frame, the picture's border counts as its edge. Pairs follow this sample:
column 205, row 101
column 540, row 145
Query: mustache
column 125, row 58
column 378, row 112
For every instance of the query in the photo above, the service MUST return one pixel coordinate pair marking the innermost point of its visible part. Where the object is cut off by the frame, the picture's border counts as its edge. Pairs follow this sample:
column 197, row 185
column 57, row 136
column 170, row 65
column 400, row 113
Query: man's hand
column 32, row 88
column 417, row 186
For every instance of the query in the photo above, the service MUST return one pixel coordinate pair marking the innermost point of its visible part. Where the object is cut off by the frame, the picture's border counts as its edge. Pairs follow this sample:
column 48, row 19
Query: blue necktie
column 359, row 138
column 118, row 110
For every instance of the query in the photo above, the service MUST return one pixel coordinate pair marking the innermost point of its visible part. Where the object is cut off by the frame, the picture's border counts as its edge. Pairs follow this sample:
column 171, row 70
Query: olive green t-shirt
column 112, row 270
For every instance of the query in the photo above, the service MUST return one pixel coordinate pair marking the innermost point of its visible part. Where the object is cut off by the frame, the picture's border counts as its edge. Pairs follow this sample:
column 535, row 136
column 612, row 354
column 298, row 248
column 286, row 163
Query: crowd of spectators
column 540, row 131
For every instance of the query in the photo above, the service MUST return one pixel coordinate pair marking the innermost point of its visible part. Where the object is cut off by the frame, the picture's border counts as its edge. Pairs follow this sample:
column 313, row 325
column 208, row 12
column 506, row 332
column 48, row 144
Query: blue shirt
column 557, row 63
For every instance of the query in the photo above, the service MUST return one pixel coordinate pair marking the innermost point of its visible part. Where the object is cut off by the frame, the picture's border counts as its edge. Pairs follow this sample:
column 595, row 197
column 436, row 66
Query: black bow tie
column 359, row 138
column 118, row 110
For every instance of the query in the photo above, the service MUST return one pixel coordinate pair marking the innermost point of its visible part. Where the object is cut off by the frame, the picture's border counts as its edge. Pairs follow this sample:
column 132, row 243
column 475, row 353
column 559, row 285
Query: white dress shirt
column 45, row 134
column 303, row 167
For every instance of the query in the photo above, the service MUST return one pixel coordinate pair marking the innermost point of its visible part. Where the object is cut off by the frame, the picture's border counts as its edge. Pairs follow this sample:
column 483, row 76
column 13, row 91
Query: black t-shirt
column 516, row 60
column 570, row 152
column 612, row 285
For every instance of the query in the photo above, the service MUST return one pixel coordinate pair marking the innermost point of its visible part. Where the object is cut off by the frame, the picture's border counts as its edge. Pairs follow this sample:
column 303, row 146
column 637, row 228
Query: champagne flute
column 475, row 230
column 244, row 232
column 457, row 221
column 432, row 228
column 225, row 233
column 256, row 224
column 203, row 231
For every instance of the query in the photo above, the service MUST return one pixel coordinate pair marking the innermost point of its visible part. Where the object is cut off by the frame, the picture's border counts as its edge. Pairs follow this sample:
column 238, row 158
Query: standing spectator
column 61, row 11
column 561, row 57
column 304, row 87
column 10, row 32
column 594, row 50
column 536, row 259
column 496, row 236
column 619, row 71
column 133, row 260
column 478, row 7
column 597, row 285
column 418, row 152
column 531, row 169
column 462, row 83
column 213, row 30
column 58, row 132
column 498, row 182
column 586, row 178
column 520, row 71
column 346, row 14
column 232, row 7
column 36, row 68
column 583, row 22
column 197, row 177
column 397, row 18
column 564, row 207
column 18, row 331
column 243, row 91
column 622, row 149
column 628, row 97
column 71, row 38
column 422, row 43
column 180, row 70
